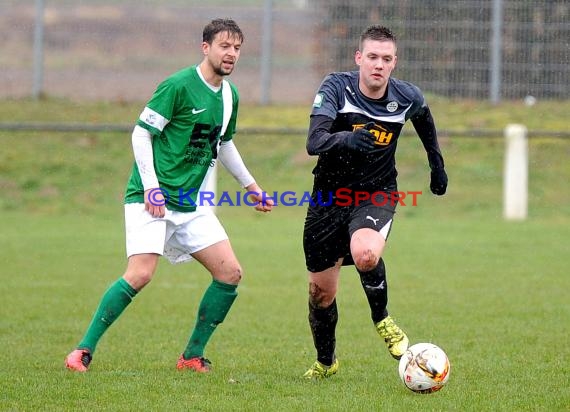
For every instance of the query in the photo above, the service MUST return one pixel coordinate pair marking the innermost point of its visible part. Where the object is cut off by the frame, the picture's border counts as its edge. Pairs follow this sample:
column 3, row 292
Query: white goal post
column 515, row 179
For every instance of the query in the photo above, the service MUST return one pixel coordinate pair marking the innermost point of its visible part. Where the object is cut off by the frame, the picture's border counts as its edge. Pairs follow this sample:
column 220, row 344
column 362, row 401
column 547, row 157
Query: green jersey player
column 186, row 126
column 184, row 151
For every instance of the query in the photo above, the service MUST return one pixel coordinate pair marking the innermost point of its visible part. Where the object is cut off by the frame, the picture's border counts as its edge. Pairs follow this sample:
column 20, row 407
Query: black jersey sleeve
column 425, row 128
column 320, row 139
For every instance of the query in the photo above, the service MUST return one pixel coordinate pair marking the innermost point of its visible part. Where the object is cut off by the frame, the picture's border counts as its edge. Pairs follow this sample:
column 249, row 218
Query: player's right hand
column 362, row 140
column 154, row 202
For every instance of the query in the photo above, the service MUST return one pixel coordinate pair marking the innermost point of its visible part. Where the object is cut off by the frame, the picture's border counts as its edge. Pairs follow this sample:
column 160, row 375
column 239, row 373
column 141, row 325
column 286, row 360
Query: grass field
column 492, row 293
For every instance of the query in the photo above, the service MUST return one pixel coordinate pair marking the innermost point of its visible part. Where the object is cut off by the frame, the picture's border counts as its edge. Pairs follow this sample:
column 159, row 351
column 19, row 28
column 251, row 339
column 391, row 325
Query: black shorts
column 328, row 229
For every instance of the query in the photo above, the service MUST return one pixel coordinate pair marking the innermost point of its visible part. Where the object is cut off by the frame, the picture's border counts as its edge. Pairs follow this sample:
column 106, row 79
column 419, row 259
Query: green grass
column 546, row 115
column 492, row 293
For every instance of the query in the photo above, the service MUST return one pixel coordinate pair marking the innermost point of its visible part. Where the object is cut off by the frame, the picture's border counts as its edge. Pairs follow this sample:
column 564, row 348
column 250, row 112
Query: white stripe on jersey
column 395, row 118
column 153, row 119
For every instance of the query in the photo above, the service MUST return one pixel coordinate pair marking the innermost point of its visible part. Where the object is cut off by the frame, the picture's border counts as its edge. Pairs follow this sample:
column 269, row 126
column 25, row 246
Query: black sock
column 376, row 289
column 323, row 324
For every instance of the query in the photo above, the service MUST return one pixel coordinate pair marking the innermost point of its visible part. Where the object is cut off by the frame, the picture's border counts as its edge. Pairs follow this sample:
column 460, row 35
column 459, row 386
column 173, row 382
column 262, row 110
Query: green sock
column 214, row 307
column 112, row 304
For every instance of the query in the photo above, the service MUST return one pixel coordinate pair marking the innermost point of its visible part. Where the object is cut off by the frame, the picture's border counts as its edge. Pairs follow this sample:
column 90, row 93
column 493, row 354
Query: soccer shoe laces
column 390, row 331
column 393, row 336
column 86, row 358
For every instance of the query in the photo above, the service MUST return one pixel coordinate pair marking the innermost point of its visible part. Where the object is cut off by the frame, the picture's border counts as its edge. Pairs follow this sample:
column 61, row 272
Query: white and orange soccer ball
column 424, row 368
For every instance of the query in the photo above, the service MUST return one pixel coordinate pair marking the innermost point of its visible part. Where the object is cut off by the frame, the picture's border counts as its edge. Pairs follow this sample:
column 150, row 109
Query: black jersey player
column 355, row 123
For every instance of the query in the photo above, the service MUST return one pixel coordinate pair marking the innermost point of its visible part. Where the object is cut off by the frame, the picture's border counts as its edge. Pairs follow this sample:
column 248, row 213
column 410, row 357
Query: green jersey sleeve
column 159, row 109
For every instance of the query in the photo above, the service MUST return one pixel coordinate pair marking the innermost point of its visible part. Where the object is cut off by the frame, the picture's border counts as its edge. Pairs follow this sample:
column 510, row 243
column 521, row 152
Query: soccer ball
column 424, row 368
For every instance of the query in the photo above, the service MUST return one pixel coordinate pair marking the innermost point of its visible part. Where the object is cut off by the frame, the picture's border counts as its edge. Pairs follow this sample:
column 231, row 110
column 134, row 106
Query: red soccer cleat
column 78, row 360
column 197, row 364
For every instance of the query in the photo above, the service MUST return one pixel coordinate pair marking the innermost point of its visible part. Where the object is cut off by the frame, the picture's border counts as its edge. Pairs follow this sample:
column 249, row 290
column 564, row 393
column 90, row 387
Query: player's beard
column 220, row 71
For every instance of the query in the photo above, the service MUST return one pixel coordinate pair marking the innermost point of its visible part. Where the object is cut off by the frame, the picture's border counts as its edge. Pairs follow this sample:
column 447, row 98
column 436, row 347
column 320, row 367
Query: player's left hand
column 438, row 184
column 264, row 203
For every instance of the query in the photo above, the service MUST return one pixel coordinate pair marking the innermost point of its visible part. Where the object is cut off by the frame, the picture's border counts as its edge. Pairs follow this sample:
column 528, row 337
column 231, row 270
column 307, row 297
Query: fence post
column 496, row 51
column 37, row 89
column 266, row 50
column 515, row 180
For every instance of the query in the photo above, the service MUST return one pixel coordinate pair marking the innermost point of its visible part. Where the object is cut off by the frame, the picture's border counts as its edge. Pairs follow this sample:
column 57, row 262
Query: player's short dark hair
column 221, row 25
column 376, row 32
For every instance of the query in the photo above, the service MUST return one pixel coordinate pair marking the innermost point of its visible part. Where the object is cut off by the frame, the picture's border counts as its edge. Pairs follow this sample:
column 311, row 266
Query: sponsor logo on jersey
column 150, row 119
column 197, row 111
column 392, row 107
column 318, row 102
column 382, row 136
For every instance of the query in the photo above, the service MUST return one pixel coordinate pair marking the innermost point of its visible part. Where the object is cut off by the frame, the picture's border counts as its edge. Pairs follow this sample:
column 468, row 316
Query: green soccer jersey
column 184, row 116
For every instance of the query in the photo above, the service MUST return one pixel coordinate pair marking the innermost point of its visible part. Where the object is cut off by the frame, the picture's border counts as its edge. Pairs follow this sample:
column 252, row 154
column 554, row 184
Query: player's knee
column 139, row 278
column 235, row 275
column 365, row 260
column 319, row 297
column 231, row 274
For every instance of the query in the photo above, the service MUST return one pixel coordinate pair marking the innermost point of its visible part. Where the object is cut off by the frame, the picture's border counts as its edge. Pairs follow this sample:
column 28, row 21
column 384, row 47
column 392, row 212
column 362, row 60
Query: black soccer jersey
column 340, row 108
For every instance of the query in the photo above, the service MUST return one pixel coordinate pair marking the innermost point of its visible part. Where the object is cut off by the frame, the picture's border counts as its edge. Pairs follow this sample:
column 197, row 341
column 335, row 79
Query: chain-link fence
column 120, row 50
column 446, row 46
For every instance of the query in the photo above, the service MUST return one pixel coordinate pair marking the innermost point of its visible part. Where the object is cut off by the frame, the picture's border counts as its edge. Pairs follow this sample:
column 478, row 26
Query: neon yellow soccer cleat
column 395, row 338
column 320, row 371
